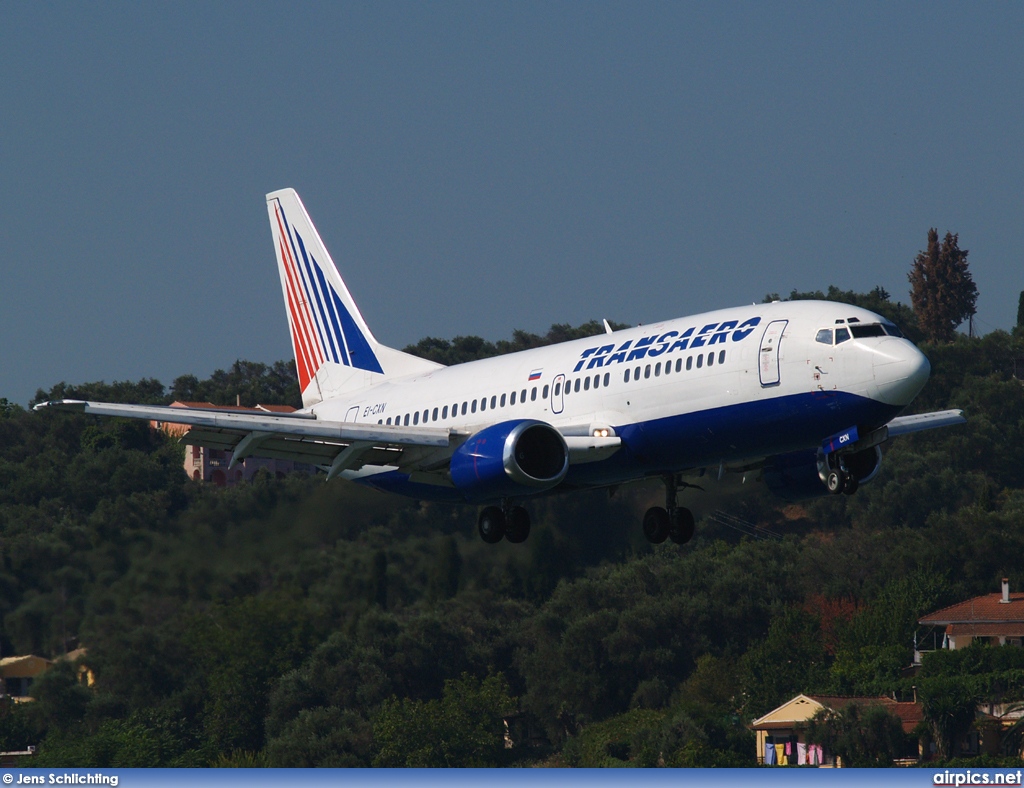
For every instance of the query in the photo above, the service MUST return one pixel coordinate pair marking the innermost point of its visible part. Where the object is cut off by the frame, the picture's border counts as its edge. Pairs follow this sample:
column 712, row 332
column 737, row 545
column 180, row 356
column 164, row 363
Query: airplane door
column 557, row 393
column 353, row 412
column 768, row 357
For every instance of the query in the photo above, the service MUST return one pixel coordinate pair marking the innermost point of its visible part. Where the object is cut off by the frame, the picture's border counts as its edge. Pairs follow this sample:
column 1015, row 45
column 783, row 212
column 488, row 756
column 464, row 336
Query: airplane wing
column 903, row 425
column 333, row 445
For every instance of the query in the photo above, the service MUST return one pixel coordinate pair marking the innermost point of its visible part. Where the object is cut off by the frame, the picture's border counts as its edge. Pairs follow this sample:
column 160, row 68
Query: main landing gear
column 507, row 521
column 672, row 522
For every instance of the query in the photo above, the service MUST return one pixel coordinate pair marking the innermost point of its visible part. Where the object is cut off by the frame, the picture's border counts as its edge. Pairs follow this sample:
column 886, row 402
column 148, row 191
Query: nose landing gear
column 671, row 522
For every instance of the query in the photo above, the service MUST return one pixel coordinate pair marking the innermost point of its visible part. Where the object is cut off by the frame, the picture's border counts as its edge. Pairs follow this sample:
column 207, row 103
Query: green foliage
column 626, row 739
column 949, row 711
column 942, row 290
column 862, row 736
column 278, row 622
column 790, row 660
column 464, row 728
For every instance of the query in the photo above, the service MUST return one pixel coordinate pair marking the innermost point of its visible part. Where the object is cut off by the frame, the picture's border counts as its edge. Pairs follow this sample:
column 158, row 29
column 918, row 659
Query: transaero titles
column 670, row 341
column 67, row 778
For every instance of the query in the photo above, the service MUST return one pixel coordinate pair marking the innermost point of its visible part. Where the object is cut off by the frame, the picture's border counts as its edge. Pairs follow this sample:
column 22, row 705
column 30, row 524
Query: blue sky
column 480, row 167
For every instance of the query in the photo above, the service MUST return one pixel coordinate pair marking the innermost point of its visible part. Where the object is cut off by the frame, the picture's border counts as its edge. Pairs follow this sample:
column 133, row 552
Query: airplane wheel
column 835, row 482
column 656, row 525
column 517, row 525
column 491, row 524
column 682, row 526
column 851, row 485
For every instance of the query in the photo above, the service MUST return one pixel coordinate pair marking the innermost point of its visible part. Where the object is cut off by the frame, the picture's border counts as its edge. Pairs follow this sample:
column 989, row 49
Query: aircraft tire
column 835, row 482
column 491, row 524
column 682, row 526
column 517, row 525
column 656, row 525
column 851, row 485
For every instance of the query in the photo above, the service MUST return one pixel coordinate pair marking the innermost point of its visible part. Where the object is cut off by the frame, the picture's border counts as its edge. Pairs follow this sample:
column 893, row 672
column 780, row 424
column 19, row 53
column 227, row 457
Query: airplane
column 801, row 394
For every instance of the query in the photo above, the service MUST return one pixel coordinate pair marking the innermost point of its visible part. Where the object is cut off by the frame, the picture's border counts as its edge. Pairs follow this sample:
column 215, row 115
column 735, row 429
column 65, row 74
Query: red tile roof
column 989, row 609
column 910, row 714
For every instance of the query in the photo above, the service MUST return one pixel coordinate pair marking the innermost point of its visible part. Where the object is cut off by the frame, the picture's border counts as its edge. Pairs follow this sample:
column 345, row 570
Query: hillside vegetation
column 296, row 623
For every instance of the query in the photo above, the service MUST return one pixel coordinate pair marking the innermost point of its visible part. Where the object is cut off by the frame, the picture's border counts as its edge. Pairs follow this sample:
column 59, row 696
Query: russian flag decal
column 535, row 375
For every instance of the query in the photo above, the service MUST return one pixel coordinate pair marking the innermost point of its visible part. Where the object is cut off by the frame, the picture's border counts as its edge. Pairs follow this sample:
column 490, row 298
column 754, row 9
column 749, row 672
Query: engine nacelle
column 801, row 475
column 509, row 459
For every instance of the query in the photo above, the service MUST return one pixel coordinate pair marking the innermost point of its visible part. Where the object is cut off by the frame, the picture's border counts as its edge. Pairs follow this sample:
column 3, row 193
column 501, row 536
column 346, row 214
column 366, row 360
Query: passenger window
column 522, row 397
column 636, row 374
column 483, row 404
column 576, row 385
column 389, row 421
column 825, row 336
column 494, row 401
column 647, row 371
column 657, row 370
column 689, row 362
column 544, row 394
column 842, row 334
column 380, row 421
column 434, row 417
column 464, row 408
column 512, row 401
column 607, row 377
column 711, row 358
column 700, row 361
column 586, row 384
column 568, row 387
column 502, row 400
column 472, row 407
column 679, row 364
column 721, row 356
column 558, row 389
column 444, row 412
column 405, row 421
column 533, row 394
column 625, row 376
column 416, row 418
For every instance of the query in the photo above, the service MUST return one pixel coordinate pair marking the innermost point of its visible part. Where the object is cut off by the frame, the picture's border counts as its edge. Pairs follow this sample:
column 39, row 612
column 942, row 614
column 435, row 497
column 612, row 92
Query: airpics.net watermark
column 972, row 777
column 61, row 778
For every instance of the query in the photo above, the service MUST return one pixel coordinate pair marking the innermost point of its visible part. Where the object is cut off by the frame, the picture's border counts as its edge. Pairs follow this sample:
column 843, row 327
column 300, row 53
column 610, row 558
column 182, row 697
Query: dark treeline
column 296, row 623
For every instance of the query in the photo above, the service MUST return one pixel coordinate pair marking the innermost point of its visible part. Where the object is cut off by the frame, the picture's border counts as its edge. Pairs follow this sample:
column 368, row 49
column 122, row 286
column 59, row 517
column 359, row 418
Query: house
column 213, row 463
column 782, row 733
column 996, row 619
column 18, row 673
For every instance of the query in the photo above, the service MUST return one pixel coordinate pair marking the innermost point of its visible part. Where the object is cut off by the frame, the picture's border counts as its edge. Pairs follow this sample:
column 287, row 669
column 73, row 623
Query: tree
column 464, row 728
column 941, row 288
column 861, row 737
column 950, row 706
column 1020, row 310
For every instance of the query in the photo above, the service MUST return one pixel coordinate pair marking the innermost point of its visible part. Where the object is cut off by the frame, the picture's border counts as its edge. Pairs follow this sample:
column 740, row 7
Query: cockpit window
column 824, row 336
column 892, row 330
column 867, row 330
column 842, row 334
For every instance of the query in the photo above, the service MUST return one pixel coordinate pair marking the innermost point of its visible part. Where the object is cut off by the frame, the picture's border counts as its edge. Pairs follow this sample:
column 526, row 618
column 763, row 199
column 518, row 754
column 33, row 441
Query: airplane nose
column 901, row 370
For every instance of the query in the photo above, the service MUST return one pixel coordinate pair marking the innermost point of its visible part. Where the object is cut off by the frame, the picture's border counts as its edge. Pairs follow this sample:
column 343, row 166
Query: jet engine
column 801, row 475
column 510, row 459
